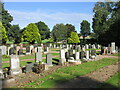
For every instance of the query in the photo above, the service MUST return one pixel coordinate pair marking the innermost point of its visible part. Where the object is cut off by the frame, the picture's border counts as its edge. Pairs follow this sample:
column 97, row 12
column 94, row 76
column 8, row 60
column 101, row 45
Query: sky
column 51, row 13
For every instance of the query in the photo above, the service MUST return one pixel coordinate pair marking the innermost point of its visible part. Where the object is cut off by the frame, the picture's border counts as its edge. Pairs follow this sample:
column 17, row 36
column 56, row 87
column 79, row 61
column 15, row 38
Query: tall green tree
column 14, row 33
column 43, row 30
column 85, row 28
column 70, row 29
column 74, row 39
column 31, row 34
column 101, row 21
column 3, row 35
column 6, row 17
column 59, row 32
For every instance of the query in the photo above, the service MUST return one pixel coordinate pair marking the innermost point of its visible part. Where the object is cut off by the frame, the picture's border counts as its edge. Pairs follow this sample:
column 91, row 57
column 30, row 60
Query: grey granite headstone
column 62, row 56
column 4, row 50
column 77, row 55
column 15, row 65
column 87, row 55
column 29, row 67
column 49, row 59
column 38, row 57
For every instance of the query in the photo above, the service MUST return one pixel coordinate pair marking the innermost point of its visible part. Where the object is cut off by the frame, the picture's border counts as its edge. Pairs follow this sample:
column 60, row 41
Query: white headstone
column 4, row 49
column 87, row 55
column 15, row 65
column 62, row 56
column 77, row 55
column 113, row 47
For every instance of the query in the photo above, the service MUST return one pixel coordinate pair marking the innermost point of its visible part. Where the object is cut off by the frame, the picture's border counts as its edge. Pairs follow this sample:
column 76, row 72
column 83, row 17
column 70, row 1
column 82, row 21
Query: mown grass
column 112, row 82
column 117, row 54
column 67, row 73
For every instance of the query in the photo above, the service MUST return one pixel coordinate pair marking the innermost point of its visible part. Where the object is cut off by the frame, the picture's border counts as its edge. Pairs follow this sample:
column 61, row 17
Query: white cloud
column 24, row 18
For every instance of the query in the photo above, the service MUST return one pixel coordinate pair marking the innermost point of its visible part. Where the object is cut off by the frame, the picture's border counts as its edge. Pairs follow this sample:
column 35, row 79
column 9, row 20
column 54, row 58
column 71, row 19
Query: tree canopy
column 70, row 29
column 14, row 33
column 73, row 38
column 6, row 17
column 59, row 32
column 3, row 32
column 43, row 30
column 31, row 34
column 85, row 28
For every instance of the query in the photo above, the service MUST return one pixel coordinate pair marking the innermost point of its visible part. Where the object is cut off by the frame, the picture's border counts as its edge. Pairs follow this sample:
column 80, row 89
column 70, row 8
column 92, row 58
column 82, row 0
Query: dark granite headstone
column 93, row 52
column 11, row 51
column 27, row 49
column 82, row 54
column 20, row 52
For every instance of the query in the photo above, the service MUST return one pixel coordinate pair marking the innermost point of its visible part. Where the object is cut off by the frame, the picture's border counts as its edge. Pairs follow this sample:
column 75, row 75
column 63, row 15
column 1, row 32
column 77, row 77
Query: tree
column 14, row 33
column 4, row 37
column 6, row 17
column 70, row 29
column 85, row 28
column 31, row 34
column 43, row 30
column 73, row 38
column 59, row 32
column 101, row 21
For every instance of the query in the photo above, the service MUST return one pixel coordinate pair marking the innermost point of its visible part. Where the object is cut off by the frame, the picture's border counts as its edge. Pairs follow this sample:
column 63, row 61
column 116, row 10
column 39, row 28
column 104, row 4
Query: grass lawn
column 118, row 54
column 114, row 80
column 66, row 73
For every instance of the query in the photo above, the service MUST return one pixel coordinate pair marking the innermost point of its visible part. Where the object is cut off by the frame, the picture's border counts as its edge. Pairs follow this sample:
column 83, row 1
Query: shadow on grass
column 81, row 82
column 55, row 61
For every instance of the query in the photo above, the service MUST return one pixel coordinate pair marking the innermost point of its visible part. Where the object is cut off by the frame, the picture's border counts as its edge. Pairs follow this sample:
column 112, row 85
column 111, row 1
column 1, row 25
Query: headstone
column 3, row 48
column 15, row 65
column 73, row 51
column 113, row 47
column 29, row 67
column 62, row 56
column 82, row 54
column 70, row 52
column 39, row 49
column 38, row 56
column 77, row 55
column 87, row 55
column 20, row 52
column 49, row 59
column 116, row 49
column 31, row 47
column 86, row 46
column 67, row 56
column 11, row 51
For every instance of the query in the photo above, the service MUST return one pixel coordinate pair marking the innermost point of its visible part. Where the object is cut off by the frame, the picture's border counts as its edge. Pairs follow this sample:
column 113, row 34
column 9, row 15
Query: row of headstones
column 76, row 55
column 17, row 50
column 111, row 49
column 15, row 68
column 86, row 46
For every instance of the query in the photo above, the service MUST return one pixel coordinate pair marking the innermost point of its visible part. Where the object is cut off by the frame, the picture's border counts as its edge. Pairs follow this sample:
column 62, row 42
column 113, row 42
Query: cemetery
column 40, row 60
column 60, row 56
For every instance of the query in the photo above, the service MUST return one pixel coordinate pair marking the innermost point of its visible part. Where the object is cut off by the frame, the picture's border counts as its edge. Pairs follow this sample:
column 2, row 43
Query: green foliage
column 6, row 17
column 5, row 56
column 73, row 38
column 59, row 32
column 31, row 34
column 106, row 22
column 43, row 30
column 70, row 29
column 15, row 33
column 3, row 33
column 85, row 28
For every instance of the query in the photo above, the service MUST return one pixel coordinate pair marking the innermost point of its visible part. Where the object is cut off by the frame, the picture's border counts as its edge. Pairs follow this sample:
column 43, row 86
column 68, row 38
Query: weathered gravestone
column 15, row 65
column 4, row 49
column 29, row 67
column 49, row 59
column 93, row 54
column 38, row 56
